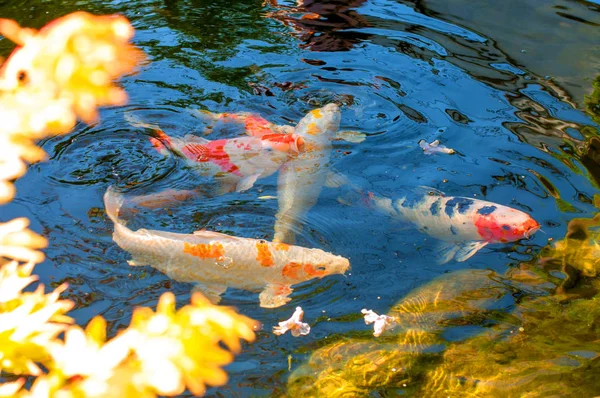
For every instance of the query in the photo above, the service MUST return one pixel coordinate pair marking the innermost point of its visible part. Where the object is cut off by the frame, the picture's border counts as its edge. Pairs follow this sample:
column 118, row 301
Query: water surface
column 404, row 71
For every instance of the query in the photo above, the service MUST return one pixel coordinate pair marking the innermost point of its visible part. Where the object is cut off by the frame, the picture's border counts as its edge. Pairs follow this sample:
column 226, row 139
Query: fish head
column 320, row 125
column 504, row 224
column 318, row 266
column 287, row 143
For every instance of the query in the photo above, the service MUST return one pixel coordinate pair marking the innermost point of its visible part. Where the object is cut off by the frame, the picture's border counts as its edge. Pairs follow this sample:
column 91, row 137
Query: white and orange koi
column 301, row 179
column 235, row 161
column 465, row 225
column 242, row 159
column 216, row 261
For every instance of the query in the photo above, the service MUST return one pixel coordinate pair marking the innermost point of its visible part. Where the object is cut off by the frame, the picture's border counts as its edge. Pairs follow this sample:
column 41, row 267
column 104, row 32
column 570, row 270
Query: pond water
column 504, row 88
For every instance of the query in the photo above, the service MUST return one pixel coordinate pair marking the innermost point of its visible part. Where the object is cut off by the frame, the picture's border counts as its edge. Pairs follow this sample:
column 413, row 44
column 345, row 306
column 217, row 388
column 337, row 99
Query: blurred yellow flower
column 64, row 71
column 29, row 321
column 19, row 243
column 178, row 349
column 58, row 74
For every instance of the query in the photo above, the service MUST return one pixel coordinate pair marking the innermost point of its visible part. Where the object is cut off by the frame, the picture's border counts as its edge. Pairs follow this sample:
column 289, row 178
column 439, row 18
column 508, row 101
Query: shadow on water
column 405, row 71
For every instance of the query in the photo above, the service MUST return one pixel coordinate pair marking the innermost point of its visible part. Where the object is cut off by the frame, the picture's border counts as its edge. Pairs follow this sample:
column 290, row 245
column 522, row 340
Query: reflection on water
column 405, row 71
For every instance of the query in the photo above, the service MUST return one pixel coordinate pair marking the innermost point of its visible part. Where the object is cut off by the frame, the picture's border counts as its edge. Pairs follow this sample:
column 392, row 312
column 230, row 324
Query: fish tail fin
column 161, row 142
column 112, row 203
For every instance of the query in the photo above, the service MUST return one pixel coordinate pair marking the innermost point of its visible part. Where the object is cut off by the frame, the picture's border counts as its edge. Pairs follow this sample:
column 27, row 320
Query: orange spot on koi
column 264, row 255
column 282, row 246
column 313, row 129
column 316, row 113
column 319, row 271
column 290, row 270
column 204, row 250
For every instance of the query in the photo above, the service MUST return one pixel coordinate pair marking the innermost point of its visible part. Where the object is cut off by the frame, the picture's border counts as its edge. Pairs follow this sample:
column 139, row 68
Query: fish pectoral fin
column 459, row 251
column 137, row 262
column 274, row 295
column 335, row 179
column 195, row 139
column 212, row 291
column 446, row 252
column 468, row 249
column 247, row 182
column 435, row 143
column 354, row 137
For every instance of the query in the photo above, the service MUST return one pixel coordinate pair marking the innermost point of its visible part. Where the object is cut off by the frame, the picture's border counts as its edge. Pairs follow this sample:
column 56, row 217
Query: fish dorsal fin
column 204, row 233
column 195, row 139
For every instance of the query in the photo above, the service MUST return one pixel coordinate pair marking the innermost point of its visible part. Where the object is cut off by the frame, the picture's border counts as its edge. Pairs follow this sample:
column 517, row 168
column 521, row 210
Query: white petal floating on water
column 294, row 324
column 381, row 322
column 435, row 147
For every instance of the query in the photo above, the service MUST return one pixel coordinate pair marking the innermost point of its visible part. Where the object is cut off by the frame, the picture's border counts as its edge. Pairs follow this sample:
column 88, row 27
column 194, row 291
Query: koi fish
column 215, row 261
column 236, row 161
column 465, row 225
column 301, row 179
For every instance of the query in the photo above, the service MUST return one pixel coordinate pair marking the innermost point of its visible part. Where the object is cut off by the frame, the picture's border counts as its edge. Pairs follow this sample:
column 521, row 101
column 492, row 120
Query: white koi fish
column 465, row 225
column 301, row 179
column 216, row 261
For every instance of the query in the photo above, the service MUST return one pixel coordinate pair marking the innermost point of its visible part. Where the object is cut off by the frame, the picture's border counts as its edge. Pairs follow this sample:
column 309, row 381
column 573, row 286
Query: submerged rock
column 401, row 359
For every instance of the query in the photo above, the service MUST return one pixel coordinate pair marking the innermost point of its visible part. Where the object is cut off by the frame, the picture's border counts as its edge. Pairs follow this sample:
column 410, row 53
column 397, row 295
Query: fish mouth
column 331, row 107
column 299, row 145
column 531, row 231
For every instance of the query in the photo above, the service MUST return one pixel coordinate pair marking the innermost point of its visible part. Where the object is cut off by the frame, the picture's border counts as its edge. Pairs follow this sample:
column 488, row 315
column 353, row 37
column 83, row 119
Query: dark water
column 404, row 71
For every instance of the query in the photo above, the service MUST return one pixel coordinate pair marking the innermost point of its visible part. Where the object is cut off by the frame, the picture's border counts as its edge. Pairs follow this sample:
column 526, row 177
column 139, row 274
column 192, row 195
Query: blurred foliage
column 592, row 101
column 56, row 75
column 580, row 248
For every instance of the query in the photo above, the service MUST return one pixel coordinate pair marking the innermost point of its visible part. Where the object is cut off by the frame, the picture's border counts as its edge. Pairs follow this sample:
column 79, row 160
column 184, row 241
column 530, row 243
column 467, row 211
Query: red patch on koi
column 204, row 250
column 264, row 256
column 487, row 228
column 490, row 230
column 212, row 152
